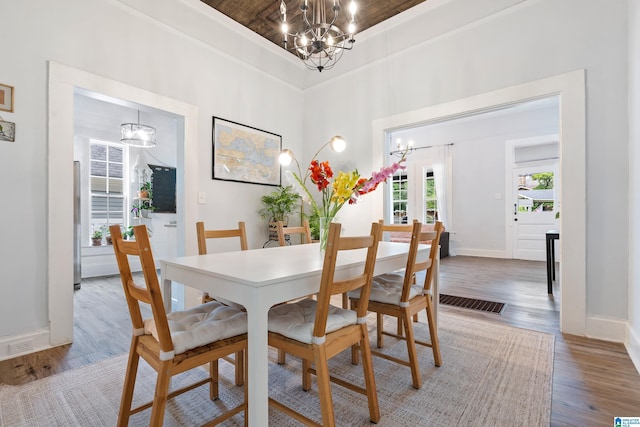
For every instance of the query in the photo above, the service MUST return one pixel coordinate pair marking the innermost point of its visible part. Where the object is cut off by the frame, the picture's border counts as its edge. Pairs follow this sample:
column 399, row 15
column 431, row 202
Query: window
column 430, row 201
column 399, row 197
column 107, row 184
column 535, row 192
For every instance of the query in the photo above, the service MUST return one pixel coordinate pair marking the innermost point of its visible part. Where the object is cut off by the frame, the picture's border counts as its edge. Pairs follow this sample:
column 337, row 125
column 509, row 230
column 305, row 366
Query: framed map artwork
column 245, row 154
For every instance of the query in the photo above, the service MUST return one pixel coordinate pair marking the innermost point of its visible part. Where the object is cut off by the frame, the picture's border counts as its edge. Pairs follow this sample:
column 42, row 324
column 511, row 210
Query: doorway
column 570, row 88
column 534, row 209
column 63, row 81
column 533, row 185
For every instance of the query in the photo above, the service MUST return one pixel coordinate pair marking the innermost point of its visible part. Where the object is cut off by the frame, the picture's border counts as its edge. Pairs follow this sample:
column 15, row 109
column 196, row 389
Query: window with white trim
column 400, row 197
column 429, row 199
column 107, row 184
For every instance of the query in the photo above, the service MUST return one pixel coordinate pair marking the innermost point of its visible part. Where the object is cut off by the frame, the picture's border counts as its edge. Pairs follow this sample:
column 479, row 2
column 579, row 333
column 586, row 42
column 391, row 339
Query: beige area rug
column 492, row 375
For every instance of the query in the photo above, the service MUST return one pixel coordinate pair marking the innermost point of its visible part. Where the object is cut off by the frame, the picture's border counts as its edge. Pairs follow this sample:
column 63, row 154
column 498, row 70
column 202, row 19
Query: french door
column 413, row 195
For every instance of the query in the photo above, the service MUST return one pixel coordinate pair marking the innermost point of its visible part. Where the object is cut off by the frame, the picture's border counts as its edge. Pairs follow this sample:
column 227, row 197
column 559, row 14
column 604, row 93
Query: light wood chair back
column 324, row 345
column 160, row 353
column 303, row 230
column 204, row 234
column 410, row 302
column 395, row 228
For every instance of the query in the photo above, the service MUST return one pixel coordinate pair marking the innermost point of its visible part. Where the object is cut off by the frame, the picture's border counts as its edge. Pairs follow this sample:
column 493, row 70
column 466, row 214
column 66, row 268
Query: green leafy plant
column 145, row 190
column 277, row 205
column 127, row 233
column 314, row 224
column 97, row 235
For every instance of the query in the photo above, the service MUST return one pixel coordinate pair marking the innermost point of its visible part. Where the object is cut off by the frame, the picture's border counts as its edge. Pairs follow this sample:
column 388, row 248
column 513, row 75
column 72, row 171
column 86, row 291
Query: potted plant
column 277, row 205
column 96, row 238
column 145, row 191
column 127, row 234
column 141, row 208
column 106, row 233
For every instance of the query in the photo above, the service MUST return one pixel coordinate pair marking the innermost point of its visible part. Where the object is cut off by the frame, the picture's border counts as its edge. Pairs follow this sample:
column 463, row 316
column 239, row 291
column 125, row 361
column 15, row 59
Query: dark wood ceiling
column 263, row 17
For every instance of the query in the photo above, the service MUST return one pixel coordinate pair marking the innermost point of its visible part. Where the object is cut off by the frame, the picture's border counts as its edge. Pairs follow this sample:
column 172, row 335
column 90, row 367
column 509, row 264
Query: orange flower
column 320, row 174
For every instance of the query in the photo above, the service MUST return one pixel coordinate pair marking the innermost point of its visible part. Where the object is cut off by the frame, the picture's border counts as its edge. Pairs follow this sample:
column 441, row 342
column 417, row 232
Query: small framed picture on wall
column 7, row 131
column 6, row 98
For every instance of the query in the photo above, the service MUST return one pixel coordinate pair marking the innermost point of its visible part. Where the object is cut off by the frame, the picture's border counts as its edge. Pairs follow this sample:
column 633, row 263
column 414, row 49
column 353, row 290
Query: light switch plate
column 202, row 198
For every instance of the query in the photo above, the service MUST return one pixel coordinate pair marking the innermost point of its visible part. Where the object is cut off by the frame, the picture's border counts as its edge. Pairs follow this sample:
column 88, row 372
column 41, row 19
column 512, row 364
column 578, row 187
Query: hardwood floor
column 593, row 381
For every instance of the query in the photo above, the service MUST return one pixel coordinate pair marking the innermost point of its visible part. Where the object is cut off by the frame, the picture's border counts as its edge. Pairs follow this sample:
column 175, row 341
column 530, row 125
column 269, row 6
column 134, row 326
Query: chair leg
column 239, row 362
column 433, row 334
column 399, row 326
column 324, row 389
column 160, row 397
column 215, row 379
column 282, row 357
column 355, row 354
column 411, row 349
column 129, row 385
column 369, row 378
column 355, row 349
column 379, row 329
column 306, row 375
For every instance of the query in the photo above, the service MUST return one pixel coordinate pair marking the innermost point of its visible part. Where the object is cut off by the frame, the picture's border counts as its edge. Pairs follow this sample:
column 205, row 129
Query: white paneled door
column 534, row 202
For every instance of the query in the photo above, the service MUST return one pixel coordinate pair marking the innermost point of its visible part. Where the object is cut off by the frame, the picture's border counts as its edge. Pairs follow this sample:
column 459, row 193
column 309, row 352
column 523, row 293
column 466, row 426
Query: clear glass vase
column 324, row 231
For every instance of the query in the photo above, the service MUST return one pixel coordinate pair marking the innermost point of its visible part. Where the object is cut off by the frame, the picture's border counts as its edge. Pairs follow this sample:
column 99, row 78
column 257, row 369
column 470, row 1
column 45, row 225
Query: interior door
column 534, row 202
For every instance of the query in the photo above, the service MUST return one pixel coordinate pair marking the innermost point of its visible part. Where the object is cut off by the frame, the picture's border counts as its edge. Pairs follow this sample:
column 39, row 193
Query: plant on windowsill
column 106, row 233
column 96, row 238
column 277, row 206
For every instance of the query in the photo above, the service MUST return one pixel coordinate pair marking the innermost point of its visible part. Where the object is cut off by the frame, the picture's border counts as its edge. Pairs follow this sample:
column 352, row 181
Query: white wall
column 109, row 39
column 509, row 48
column 633, row 339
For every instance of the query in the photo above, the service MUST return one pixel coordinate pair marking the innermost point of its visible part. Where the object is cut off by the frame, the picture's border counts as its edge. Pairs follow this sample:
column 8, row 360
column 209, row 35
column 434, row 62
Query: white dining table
column 261, row 278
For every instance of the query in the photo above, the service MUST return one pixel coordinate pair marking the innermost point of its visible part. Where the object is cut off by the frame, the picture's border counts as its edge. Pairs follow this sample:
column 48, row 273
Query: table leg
column 553, row 259
column 258, row 366
column 549, row 242
column 166, row 292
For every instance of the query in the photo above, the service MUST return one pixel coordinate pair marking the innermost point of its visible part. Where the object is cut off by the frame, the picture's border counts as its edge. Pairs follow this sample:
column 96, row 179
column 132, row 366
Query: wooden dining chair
column 303, row 230
column 176, row 342
column 396, row 294
column 203, row 236
column 315, row 330
column 305, row 237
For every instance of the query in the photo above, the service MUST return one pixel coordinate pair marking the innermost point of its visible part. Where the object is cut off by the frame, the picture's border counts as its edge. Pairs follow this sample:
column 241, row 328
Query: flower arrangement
column 338, row 189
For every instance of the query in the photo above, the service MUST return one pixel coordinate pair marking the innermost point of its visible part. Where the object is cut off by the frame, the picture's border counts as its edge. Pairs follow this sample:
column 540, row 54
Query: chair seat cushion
column 296, row 320
column 387, row 288
column 200, row 325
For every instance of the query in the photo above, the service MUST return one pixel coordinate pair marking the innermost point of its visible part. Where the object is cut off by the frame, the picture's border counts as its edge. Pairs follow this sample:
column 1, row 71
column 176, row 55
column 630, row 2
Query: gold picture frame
column 6, row 98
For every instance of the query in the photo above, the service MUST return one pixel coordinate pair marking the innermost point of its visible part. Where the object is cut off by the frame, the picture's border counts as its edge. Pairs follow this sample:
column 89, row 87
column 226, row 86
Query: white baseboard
column 633, row 346
column 104, row 264
column 480, row 253
column 606, row 329
column 34, row 341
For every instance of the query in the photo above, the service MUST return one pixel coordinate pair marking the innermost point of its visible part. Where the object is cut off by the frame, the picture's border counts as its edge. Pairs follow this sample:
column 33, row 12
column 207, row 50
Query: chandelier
column 137, row 135
column 318, row 42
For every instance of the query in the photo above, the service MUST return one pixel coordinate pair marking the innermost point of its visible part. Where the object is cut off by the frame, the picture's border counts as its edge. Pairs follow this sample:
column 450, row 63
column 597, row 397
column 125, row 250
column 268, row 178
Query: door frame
column 63, row 80
column 509, row 166
column 571, row 88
